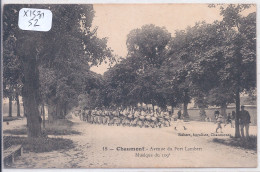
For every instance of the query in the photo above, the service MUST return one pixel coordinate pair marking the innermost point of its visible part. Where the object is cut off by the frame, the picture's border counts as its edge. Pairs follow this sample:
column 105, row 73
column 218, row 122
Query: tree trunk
column 238, row 66
column 18, row 105
column 202, row 113
column 172, row 110
column 51, row 113
column 10, row 106
column 43, row 116
column 223, row 110
column 33, row 118
column 60, row 111
column 24, row 107
column 237, row 132
column 185, row 104
column 57, row 111
column 31, row 81
column 65, row 109
column 185, row 110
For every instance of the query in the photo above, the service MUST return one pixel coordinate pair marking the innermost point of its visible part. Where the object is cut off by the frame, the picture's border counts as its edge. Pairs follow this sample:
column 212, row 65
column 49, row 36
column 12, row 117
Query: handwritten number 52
column 35, row 22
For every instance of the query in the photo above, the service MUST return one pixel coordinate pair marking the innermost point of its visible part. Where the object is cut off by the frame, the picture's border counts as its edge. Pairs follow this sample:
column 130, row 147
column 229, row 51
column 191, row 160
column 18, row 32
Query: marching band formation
column 142, row 117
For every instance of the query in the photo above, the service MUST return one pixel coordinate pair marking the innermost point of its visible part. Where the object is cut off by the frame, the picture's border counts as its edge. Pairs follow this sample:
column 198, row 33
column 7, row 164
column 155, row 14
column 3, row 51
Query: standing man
column 180, row 121
column 233, row 114
column 244, row 120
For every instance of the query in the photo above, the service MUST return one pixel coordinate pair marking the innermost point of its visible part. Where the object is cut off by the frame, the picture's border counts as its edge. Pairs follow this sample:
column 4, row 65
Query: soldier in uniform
column 89, row 116
column 147, row 118
column 106, row 116
column 141, row 118
column 111, row 117
column 123, row 117
column 84, row 115
column 166, row 118
column 136, row 117
column 116, row 117
column 96, row 116
column 92, row 116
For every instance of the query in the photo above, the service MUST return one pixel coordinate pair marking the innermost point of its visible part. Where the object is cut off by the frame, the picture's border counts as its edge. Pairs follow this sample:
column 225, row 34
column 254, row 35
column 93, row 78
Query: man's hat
column 242, row 106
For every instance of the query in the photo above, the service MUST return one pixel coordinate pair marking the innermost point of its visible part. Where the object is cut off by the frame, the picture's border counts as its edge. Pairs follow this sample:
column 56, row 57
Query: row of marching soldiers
column 142, row 117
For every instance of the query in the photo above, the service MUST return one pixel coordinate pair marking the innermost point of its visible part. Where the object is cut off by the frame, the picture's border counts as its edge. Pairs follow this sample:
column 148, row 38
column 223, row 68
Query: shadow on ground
column 12, row 118
column 58, row 127
column 250, row 143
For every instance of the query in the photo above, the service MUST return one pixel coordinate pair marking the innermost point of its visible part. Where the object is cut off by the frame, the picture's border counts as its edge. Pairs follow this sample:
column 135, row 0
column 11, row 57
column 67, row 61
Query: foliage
column 92, row 95
column 149, row 42
column 12, row 75
column 136, row 78
column 119, row 81
column 198, row 63
column 55, row 63
column 240, row 60
column 63, row 55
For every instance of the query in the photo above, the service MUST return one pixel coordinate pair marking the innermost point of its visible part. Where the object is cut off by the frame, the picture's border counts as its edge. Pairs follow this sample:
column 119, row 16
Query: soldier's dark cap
column 242, row 106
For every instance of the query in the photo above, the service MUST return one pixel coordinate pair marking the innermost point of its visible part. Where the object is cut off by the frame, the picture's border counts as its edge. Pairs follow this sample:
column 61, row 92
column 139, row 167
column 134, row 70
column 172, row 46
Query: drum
column 153, row 118
column 148, row 117
column 142, row 117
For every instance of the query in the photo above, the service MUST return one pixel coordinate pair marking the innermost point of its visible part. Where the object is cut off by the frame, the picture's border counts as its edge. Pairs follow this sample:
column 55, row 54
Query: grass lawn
column 41, row 144
column 250, row 143
column 7, row 118
column 58, row 127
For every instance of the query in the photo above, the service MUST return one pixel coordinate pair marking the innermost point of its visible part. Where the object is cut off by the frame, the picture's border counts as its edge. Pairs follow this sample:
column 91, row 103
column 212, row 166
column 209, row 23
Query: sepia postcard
column 136, row 85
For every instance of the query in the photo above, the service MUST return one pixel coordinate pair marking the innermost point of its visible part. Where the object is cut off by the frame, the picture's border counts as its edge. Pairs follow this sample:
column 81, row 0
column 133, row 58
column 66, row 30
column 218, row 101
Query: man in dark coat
column 244, row 121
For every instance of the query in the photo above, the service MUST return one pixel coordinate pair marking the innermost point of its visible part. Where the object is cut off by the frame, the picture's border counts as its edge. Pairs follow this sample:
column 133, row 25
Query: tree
column 146, row 88
column 184, row 50
column 67, row 45
column 149, row 42
column 93, row 95
column 135, row 79
column 226, row 66
column 71, row 67
column 208, row 69
column 12, row 75
column 120, row 83
column 240, row 62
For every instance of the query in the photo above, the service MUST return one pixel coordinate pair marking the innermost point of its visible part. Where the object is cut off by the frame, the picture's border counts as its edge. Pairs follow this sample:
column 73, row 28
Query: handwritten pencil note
column 35, row 19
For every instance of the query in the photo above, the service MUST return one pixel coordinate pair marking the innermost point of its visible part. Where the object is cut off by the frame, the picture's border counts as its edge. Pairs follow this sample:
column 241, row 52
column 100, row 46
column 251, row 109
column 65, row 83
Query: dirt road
column 101, row 146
